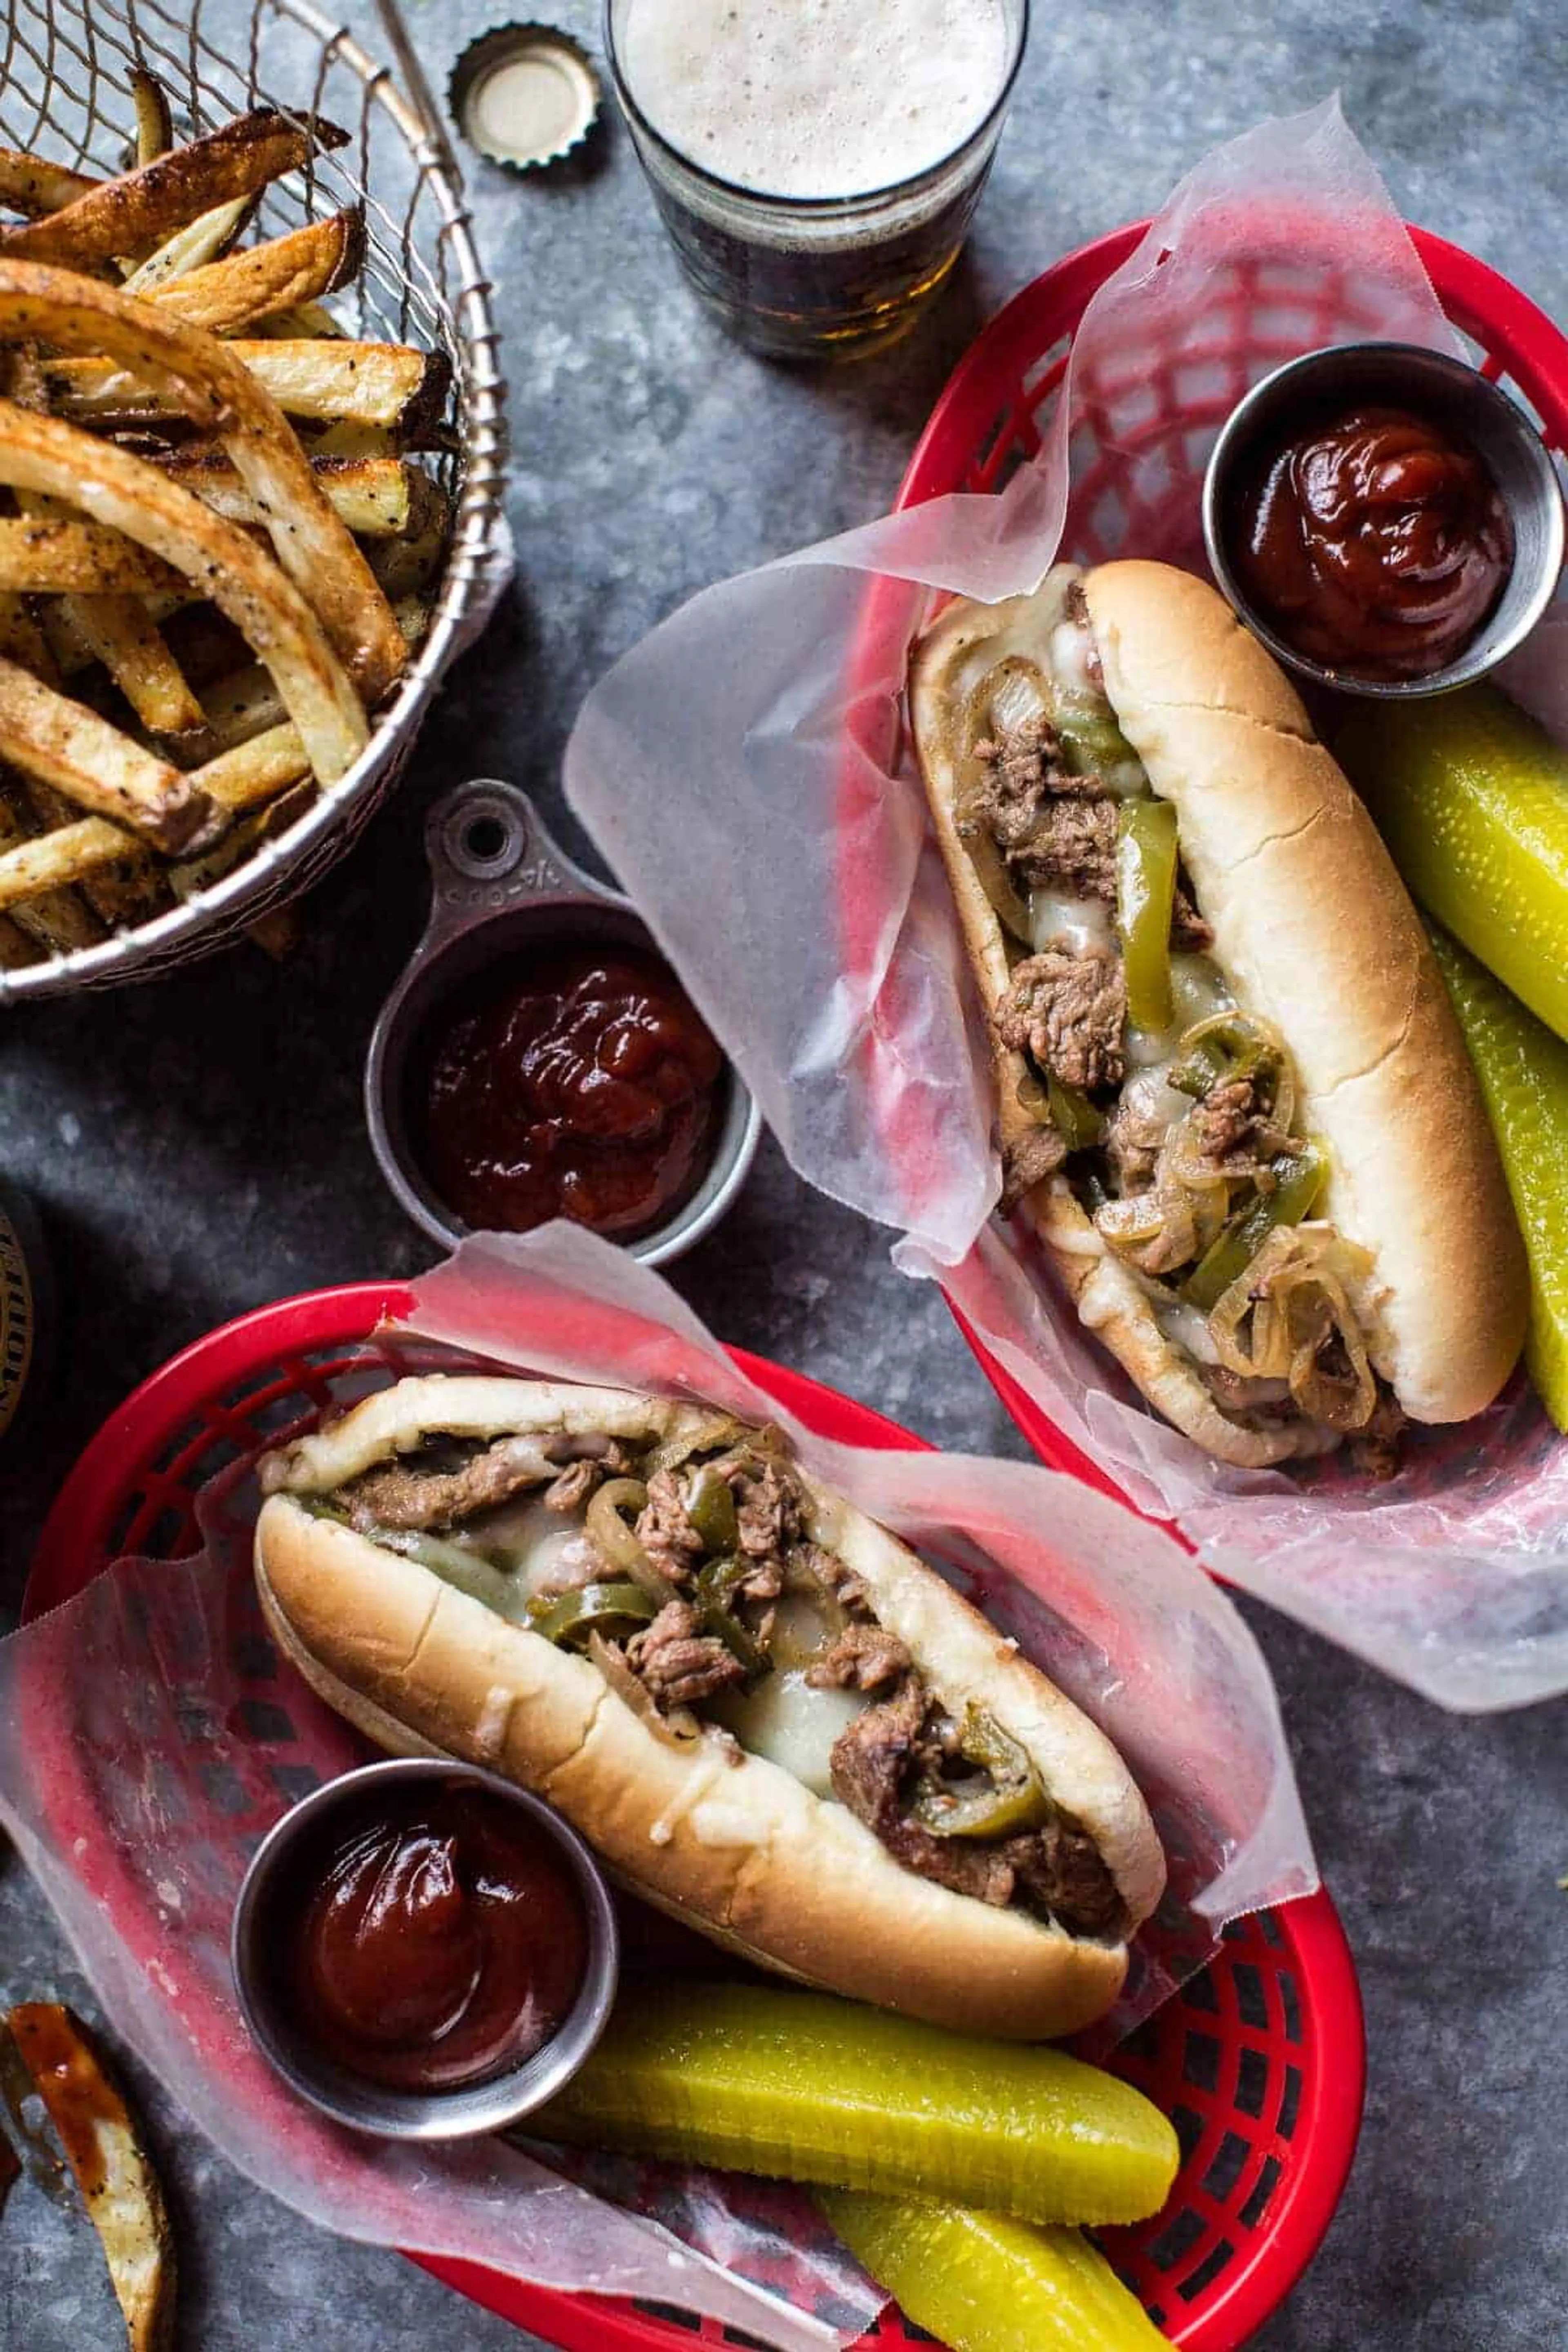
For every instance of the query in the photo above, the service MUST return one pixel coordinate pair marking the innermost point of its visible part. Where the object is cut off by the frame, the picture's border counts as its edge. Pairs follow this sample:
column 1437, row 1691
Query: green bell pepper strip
column 1299, row 1177
column 1067, row 1108
column 716, row 1589
column 1012, row 1800
column 710, row 1507
column 1074, row 1116
column 1089, row 736
column 1235, row 1051
column 593, row 1608
column 1145, row 894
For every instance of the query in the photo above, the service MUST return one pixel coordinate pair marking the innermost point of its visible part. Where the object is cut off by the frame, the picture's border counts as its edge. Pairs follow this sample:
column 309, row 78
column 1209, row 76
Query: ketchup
column 574, row 1084
column 1374, row 544
column 442, row 1942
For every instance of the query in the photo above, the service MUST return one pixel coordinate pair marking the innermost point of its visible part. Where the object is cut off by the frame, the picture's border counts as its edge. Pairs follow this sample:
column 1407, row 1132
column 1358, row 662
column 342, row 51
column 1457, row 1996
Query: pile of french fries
column 215, row 548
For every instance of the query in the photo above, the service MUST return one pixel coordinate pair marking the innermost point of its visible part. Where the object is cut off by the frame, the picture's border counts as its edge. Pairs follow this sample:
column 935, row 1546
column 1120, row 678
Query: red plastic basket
column 1259, row 2060
column 990, row 418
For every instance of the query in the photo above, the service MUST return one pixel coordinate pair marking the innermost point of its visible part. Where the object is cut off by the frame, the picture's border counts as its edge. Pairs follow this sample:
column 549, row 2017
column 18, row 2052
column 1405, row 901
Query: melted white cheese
column 529, row 1541
column 1083, row 923
column 791, row 1725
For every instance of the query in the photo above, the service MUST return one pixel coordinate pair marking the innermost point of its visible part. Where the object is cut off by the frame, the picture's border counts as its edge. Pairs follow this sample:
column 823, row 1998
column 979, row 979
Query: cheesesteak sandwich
column 770, row 1717
column 1231, row 1093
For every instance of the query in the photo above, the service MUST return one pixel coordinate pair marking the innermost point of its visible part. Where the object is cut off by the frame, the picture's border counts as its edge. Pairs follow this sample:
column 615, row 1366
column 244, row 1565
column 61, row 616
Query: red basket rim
column 72, row 1545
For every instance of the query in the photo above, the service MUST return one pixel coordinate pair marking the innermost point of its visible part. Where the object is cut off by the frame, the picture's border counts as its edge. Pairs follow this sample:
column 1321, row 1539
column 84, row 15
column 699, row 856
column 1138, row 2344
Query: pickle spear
column 1472, row 796
column 800, row 2086
column 1523, row 1071
column 980, row 2282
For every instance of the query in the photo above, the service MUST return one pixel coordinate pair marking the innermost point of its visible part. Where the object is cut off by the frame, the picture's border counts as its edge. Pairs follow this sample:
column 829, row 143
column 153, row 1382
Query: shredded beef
column 678, row 1665
column 1065, row 1011
column 397, row 1494
column 1063, row 1869
column 665, row 1532
column 1132, row 1141
column 1058, row 1867
column 765, row 1581
column 1188, row 929
column 1232, row 1128
column 832, row 1576
column 1029, row 1159
column 1022, row 771
column 1071, row 849
column 863, row 1657
column 573, row 1486
column 767, row 1510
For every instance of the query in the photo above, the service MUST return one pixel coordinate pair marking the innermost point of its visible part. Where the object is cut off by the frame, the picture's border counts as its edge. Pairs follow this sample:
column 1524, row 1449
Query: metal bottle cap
column 524, row 95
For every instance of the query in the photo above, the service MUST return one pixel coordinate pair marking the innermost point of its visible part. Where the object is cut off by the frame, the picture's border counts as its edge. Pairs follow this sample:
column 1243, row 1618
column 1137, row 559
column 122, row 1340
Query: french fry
column 263, row 279
column 206, row 239
column 56, row 919
column 124, row 890
column 103, row 2147
column 373, row 496
column 346, row 440
column 15, row 951
column 42, row 555
column 154, row 122
column 242, row 779
column 38, row 453
column 64, row 744
column 143, row 208
column 392, row 385
column 256, row 771
column 22, row 640
column 407, row 564
column 127, row 890
column 305, row 320
column 192, row 875
column 220, row 393
column 242, row 705
column 122, row 636
column 28, row 184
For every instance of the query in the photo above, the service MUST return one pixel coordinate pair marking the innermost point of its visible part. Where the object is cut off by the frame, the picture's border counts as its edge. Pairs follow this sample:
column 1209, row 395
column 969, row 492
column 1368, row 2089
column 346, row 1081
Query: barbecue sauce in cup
column 579, row 1084
column 441, row 1942
column 1374, row 544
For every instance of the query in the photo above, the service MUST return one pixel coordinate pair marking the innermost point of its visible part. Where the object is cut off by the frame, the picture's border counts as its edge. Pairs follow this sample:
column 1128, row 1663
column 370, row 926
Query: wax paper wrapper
column 149, row 1736
column 744, row 771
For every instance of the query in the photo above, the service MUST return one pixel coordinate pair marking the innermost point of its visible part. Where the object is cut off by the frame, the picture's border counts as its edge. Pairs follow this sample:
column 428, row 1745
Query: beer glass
column 814, row 277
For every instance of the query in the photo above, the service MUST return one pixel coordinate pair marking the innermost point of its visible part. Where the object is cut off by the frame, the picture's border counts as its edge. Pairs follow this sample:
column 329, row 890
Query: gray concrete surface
column 196, row 1148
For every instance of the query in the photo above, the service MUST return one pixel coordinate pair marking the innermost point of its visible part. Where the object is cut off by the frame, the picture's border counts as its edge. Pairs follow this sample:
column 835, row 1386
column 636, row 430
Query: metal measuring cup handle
column 489, row 850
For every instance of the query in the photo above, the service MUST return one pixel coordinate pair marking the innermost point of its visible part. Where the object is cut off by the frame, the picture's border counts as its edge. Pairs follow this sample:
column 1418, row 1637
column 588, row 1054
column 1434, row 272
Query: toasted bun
column 740, row 1850
column 1314, row 927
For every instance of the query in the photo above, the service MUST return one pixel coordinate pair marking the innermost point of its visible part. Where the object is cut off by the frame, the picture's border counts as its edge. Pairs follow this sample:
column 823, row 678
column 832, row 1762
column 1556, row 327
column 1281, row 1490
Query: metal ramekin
column 501, row 883
column 1454, row 394
column 371, row 2107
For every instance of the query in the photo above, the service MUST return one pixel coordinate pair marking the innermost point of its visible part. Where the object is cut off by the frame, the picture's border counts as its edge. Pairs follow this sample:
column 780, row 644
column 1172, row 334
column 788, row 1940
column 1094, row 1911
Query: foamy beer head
column 815, row 98
column 816, row 161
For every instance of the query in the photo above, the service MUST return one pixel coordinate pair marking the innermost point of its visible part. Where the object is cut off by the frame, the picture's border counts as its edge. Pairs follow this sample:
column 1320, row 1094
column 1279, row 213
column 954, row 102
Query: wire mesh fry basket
column 65, row 95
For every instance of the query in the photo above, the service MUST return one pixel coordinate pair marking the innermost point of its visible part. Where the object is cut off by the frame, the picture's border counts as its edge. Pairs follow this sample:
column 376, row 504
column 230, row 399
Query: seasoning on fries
column 192, row 636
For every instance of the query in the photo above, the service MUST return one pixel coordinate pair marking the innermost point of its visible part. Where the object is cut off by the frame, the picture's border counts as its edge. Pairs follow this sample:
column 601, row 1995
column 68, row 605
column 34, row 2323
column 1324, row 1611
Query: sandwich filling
column 689, row 1570
column 1168, row 1108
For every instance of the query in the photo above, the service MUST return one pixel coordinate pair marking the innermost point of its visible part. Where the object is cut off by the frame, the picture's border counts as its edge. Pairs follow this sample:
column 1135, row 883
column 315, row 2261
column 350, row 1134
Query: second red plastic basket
column 1258, row 2060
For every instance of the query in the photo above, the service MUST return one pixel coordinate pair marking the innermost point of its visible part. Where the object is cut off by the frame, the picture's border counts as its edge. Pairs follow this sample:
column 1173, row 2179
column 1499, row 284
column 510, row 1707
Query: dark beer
column 818, row 166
